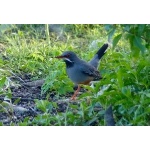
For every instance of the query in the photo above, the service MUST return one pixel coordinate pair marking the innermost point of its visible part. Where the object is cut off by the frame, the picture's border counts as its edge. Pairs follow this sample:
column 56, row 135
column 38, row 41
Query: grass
column 126, row 77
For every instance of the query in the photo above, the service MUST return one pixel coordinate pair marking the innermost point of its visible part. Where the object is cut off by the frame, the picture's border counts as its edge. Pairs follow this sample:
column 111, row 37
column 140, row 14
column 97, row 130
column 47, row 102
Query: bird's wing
column 90, row 70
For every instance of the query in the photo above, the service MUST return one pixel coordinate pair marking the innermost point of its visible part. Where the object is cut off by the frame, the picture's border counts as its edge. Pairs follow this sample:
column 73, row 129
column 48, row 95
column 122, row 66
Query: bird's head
column 68, row 56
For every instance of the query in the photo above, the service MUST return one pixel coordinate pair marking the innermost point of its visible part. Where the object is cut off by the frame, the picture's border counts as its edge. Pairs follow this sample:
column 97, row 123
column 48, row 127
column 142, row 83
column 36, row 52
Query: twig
column 16, row 76
column 14, row 98
column 34, row 83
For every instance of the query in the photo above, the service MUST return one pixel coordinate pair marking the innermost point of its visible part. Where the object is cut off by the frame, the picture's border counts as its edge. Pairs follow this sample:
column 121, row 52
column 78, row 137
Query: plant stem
column 47, row 33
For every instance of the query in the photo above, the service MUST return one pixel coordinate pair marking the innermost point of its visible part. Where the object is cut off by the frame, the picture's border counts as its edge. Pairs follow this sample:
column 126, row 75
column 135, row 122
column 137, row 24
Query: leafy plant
column 137, row 35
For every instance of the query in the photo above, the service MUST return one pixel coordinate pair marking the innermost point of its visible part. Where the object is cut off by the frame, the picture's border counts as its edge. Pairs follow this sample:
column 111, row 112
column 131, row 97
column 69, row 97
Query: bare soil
column 23, row 96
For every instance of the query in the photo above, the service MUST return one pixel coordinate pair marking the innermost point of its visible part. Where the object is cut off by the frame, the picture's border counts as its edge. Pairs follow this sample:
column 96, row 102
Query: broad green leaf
column 116, row 40
column 111, row 33
column 147, row 110
column 126, row 27
column 130, row 38
column 148, row 95
column 126, row 91
column 141, row 28
column 138, row 44
column 135, row 50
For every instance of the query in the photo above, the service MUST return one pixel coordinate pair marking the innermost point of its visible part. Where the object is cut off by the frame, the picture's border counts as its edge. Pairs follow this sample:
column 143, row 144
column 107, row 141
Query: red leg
column 75, row 93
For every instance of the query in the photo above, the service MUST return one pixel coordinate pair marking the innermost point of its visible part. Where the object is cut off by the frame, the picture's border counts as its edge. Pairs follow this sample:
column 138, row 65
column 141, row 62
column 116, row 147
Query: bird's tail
column 96, row 59
column 102, row 51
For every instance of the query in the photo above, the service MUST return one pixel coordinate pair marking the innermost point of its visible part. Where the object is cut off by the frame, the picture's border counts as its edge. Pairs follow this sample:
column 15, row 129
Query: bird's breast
column 77, row 76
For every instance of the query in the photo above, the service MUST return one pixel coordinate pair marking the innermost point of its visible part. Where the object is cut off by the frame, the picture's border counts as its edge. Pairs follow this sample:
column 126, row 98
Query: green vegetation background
column 125, row 68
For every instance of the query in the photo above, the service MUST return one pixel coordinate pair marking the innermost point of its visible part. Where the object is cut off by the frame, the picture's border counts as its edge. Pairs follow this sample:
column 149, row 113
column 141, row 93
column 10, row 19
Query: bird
column 80, row 71
column 95, row 61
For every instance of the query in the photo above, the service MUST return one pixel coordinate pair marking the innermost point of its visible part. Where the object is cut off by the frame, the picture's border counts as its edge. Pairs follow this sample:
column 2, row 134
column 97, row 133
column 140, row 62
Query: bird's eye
column 67, row 56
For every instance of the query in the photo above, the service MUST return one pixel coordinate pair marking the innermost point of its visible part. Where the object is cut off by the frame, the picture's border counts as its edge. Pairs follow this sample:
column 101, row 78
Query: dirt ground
column 25, row 94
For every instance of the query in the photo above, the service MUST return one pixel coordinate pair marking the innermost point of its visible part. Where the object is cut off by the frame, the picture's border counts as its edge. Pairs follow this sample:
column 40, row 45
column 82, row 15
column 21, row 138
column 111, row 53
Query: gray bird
column 95, row 61
column 81, row 72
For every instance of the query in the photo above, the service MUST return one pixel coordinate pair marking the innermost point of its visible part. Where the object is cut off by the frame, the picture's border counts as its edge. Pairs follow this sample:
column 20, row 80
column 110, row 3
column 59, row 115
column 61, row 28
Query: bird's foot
column 73, row 97
column 75, row 93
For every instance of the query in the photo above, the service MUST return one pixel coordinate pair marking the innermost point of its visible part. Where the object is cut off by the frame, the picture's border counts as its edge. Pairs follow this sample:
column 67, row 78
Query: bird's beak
column 59, row 57
column 63, row 57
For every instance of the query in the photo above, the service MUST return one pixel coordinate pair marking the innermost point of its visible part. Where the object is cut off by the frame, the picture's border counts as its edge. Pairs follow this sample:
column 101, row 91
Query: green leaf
column 108, row 27
column 43, row 105
column 116, row 40
column 2, row 82
column 119, row 77
column 141, row 28
column 126, row 27
column 111, row 33
column 91, row 121
column 148, row 95
column 126, row 91
column 1, row 124
column 16, row 101
column 138, row 44
column 135, row 50
column 147, row 110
